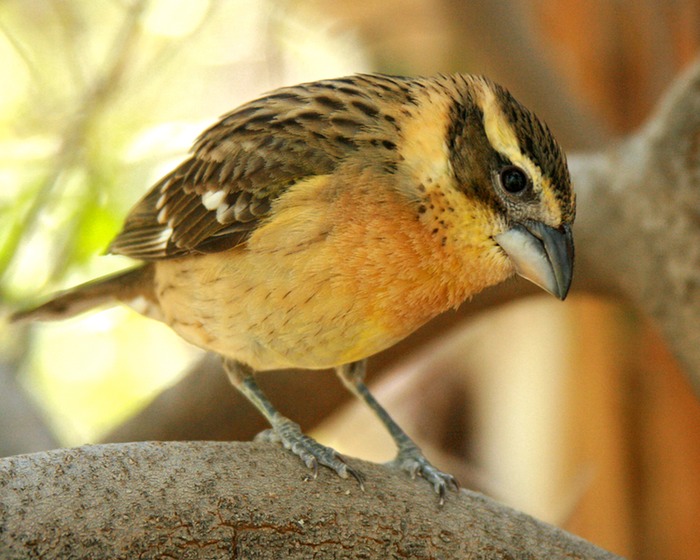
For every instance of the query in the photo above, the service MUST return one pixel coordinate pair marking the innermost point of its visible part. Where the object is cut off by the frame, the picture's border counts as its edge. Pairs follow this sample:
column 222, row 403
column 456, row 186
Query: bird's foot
column 411, row 459
column 311, row 452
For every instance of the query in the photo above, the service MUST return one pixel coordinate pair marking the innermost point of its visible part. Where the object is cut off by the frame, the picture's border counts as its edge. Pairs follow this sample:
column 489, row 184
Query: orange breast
column 338, row 273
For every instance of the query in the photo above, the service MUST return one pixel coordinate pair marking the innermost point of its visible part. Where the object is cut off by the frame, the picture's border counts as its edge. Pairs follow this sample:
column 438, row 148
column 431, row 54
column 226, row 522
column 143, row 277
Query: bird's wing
column 239, row 166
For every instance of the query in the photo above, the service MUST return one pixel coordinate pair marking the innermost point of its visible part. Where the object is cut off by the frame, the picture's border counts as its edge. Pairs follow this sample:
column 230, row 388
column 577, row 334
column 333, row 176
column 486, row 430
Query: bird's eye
column 513, row 179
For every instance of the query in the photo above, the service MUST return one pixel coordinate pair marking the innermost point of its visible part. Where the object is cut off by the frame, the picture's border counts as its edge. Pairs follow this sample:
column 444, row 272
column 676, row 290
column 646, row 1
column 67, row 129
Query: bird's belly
column 270, row 317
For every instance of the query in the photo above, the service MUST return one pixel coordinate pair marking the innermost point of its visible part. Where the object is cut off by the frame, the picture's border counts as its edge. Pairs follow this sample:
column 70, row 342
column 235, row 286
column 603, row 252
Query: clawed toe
column 311, row 453
column 412, row 461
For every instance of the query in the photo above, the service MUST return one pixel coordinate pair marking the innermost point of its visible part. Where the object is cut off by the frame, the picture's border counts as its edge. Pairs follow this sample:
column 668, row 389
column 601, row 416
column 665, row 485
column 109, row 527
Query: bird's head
column 508, row 163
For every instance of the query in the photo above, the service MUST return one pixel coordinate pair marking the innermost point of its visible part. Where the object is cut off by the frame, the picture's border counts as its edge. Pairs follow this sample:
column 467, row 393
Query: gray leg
column 284, row 430
column 409, row 458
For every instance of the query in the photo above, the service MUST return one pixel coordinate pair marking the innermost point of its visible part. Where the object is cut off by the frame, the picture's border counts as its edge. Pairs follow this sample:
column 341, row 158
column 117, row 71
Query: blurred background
column 573, row 412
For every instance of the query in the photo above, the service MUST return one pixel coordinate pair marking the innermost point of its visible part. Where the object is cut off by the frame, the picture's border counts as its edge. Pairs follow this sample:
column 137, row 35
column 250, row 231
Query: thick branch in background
column 235, row 500
column 639, row 223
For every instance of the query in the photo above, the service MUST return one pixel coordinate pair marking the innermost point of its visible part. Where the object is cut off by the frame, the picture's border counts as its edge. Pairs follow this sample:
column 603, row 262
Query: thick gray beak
column 541, row 254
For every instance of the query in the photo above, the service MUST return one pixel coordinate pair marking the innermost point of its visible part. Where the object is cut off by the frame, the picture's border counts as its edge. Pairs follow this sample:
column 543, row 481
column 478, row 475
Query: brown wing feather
column 213, row 200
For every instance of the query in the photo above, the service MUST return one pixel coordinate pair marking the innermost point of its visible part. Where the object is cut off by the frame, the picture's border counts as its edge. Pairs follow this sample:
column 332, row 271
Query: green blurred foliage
column 71, row 112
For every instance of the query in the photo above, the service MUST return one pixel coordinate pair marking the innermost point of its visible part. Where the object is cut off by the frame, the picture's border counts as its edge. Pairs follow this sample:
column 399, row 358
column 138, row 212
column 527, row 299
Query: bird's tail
column 125, row 286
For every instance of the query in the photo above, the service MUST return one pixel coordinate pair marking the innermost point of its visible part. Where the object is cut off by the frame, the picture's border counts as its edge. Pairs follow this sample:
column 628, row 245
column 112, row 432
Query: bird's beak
column 542, row 254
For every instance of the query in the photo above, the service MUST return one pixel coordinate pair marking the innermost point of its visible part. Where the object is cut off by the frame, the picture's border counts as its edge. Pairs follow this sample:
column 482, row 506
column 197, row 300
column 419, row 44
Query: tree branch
column 253, row 500
column 639, row 226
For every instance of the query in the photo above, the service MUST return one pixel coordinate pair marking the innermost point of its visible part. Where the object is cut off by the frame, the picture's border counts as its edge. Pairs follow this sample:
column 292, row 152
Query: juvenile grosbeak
column 321, row 223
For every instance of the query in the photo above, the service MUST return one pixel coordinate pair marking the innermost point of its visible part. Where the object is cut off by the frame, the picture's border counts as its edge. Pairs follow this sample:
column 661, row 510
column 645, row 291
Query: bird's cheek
column 501, row 264
column 487, row 267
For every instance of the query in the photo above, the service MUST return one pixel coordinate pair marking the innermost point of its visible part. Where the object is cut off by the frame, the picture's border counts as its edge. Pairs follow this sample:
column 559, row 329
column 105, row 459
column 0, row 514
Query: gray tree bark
column 248, row 500
column 638, row 230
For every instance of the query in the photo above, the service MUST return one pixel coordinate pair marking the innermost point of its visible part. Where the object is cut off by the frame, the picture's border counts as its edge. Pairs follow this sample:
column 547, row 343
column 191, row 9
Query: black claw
column 357, row 475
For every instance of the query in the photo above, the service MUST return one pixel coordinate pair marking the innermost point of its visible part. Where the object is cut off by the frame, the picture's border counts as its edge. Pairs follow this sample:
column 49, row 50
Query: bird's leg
column 285, row 431
column 409, row 457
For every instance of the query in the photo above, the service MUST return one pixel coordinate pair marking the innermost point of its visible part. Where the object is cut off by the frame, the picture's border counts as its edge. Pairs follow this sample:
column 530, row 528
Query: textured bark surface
column 247, row 500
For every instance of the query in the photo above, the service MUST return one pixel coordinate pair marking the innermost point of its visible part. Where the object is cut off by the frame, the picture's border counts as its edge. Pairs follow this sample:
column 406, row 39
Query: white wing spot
column 212, row 199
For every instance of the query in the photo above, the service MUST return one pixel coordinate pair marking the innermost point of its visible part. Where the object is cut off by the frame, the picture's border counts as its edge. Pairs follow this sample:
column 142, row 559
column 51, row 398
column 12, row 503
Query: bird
column 321, row 223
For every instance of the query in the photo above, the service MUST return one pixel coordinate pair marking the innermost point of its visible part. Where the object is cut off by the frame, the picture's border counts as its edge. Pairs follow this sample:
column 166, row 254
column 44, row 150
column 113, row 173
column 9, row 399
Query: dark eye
column 513, row 179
